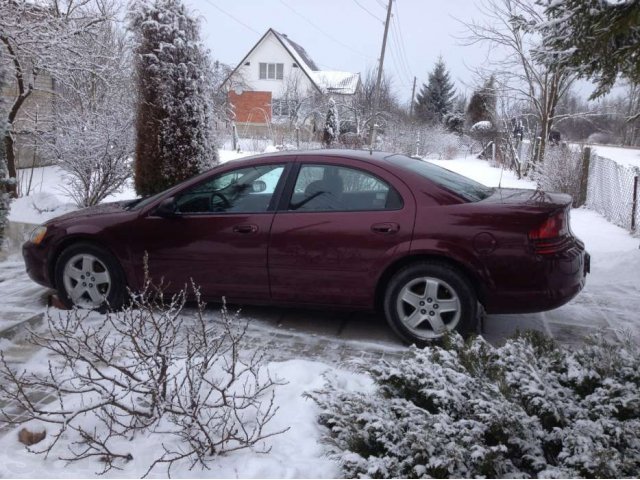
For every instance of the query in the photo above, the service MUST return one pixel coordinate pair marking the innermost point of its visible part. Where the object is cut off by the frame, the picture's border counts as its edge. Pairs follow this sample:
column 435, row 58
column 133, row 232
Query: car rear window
column 466, row 188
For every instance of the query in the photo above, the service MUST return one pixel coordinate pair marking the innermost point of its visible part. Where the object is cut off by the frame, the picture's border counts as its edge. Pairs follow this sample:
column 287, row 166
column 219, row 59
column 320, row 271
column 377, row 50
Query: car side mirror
column 167, row 208
column 259, row 186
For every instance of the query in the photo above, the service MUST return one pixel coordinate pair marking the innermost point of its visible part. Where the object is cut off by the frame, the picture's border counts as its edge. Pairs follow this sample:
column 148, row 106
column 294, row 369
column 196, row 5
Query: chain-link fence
column 614, row 191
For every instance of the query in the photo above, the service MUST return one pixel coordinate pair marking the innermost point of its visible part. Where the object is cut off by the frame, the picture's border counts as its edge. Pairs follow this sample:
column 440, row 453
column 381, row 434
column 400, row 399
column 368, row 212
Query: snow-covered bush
column 561, row 171
column 439, row 143
column 148, row 373
column 484, row 132
column 527, row 409
column 92, row 140
column 420, row 140
column 331, row 130
column 175, row 134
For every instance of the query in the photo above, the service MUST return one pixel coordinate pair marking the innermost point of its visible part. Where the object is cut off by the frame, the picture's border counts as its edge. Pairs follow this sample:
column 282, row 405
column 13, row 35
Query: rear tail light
column 551, row 236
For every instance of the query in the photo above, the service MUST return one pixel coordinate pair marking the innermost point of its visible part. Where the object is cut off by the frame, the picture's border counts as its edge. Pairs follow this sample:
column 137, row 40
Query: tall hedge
column 174, row 125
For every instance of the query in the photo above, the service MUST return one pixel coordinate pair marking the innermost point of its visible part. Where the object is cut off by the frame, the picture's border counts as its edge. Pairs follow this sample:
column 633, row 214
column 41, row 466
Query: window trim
column 287, row 194
column 278, row 71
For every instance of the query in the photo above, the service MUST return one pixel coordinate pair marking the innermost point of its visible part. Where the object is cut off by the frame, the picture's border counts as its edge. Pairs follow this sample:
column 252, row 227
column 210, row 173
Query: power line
column 401, row 74
column 401, row 63
column 232, row 17
column 323, row 32
column 368, row 11
column 403, row 50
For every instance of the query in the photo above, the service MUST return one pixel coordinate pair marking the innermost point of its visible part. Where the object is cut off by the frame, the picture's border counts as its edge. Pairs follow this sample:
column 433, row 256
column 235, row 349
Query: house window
column 271, row 71
column 283, row 108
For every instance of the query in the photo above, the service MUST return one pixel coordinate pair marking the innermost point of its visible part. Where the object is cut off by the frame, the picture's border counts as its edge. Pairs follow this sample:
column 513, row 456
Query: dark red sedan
column 334, row 228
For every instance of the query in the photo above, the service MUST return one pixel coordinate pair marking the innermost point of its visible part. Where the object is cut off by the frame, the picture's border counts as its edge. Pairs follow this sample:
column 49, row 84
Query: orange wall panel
column 253, row 107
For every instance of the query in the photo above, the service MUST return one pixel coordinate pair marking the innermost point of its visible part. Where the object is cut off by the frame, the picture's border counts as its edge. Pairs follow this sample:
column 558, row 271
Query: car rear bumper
column 560, row 278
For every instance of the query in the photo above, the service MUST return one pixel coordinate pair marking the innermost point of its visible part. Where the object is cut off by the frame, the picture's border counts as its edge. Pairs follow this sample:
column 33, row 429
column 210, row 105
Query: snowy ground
column 303, row 344
column 629, row 157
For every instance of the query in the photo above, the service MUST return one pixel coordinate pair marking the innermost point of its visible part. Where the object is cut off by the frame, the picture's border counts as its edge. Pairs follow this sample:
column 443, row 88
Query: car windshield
column 468, row 189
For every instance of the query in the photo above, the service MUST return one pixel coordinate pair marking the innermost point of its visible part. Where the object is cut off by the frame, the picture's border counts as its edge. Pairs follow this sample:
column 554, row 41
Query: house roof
column 302, row 53
column 327, row 81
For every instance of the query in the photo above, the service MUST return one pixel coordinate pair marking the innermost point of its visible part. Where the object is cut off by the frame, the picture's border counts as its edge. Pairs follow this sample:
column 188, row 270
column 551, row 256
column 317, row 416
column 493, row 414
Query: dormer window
column 271, row 71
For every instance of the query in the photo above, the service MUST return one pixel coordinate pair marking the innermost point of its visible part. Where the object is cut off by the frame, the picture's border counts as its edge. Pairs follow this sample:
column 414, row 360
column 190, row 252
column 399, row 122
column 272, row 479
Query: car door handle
column 385, row 228
column 245, row 228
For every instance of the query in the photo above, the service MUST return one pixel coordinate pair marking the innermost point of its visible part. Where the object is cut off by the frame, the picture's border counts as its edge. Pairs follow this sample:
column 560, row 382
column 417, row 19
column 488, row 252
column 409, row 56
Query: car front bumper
column 35, row 261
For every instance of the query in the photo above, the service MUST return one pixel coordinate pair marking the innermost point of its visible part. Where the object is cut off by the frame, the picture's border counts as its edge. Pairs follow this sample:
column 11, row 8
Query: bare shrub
column 145, row 371
column 420, row 140
column 560, row 172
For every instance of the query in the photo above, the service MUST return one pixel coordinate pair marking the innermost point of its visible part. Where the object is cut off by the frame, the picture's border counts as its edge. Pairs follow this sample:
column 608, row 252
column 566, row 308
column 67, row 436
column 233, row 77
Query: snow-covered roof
column 328, row 81
column 331, row 81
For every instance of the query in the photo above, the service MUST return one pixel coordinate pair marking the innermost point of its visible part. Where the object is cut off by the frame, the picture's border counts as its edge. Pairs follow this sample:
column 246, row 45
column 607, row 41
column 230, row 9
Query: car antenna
column 500, row 181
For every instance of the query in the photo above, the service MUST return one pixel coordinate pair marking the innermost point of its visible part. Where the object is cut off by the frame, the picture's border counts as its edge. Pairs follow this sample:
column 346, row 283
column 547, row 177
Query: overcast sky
column 346, row 35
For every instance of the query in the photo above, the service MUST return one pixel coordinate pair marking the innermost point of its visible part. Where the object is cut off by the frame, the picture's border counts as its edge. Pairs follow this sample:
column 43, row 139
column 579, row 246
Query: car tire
column 424, row 301
column 88, row 276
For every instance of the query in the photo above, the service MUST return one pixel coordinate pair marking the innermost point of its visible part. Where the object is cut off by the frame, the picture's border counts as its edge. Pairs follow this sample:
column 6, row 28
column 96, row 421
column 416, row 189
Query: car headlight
column 37, row 235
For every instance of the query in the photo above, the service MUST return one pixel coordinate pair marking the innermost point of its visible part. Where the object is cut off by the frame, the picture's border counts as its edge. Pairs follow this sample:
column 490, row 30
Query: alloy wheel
column 428, row 307
column 86, row 280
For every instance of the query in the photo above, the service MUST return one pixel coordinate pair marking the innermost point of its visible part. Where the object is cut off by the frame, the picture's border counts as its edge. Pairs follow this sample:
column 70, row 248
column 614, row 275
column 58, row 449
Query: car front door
column 218, row 236
column 343, row 221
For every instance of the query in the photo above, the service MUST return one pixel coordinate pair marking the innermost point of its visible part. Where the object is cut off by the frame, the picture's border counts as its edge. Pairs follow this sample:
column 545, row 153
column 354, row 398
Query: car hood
column 528, row 197
column 102, row 209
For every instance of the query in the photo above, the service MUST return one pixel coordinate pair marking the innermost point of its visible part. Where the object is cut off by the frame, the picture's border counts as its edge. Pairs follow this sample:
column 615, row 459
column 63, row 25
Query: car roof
column 372, row 156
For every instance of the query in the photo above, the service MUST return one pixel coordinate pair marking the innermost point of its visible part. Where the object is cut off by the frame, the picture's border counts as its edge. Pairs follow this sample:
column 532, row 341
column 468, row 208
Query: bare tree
column 358, row 108
column 4, row 180
column 510, row 27
column 298, row 104
column 93, row 140
column 148, row 369
column 45, row 39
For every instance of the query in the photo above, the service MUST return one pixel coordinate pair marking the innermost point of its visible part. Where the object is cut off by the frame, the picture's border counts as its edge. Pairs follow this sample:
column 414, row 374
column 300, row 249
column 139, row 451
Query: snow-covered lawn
column 609, row 304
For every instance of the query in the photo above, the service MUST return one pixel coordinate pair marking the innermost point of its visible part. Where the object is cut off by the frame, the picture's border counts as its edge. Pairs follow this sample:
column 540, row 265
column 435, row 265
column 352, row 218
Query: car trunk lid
column 549, row 231
column 534, row 198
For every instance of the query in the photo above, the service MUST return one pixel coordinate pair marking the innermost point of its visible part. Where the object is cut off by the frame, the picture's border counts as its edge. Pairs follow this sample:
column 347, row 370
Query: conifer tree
column 482, row 105
column 435, row 98
column 174, row 125
column 331, row 125
column 598, row 39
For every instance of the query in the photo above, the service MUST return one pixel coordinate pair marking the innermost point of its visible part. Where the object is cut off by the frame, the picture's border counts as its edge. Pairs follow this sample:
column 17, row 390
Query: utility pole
column 413, row 95
column 376, row 96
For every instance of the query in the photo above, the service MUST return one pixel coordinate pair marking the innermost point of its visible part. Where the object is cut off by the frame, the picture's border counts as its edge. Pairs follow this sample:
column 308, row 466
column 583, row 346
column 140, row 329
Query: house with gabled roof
column 276, row 76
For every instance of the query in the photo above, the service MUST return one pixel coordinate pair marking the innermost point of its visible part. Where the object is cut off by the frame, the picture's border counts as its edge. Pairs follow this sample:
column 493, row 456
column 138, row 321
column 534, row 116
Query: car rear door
column 341, row 222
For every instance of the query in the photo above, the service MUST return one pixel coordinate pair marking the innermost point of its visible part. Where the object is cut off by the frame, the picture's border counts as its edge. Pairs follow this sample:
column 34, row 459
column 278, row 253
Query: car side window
column 245, row 190
column 336, row 188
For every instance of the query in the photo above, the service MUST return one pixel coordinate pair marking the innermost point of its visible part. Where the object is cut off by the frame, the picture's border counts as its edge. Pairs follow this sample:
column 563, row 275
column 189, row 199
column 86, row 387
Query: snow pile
column 482, row 126
column 527, row 409
column 39, row 207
